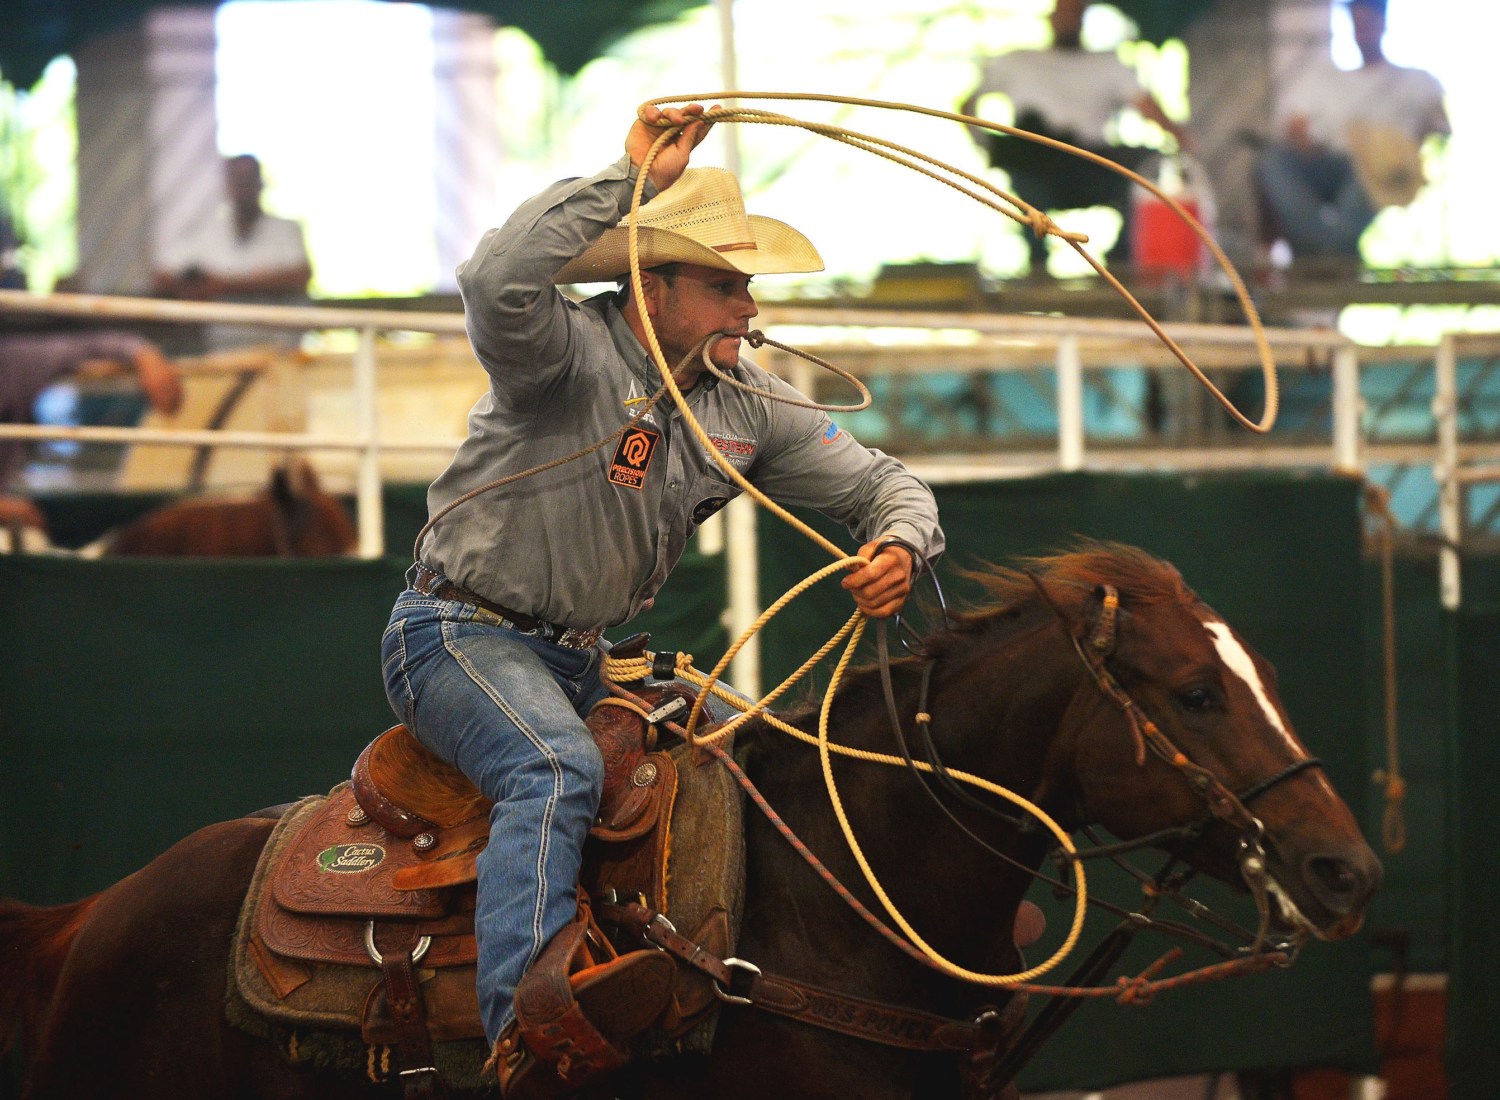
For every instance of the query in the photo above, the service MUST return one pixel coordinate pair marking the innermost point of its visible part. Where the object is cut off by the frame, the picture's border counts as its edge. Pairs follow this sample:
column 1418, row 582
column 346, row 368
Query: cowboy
column 492, row 657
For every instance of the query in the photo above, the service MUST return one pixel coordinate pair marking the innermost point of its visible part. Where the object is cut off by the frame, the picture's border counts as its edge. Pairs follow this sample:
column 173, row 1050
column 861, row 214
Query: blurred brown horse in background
column 292, row 517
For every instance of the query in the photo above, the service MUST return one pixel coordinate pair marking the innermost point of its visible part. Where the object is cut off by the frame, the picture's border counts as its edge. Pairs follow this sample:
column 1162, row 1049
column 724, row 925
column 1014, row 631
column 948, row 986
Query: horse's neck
column 994, row 713
column 996, row 703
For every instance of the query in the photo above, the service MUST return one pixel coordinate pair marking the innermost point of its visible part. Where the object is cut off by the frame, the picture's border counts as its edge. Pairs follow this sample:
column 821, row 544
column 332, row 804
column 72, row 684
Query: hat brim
column 778, row 250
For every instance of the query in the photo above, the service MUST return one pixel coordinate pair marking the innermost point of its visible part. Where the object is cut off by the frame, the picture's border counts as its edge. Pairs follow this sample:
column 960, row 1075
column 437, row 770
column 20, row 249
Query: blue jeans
column 1318, row 202
column 505, row 708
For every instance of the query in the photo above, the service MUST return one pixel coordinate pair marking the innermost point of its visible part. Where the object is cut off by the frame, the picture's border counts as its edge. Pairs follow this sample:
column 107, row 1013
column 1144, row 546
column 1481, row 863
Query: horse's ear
column 293, row 481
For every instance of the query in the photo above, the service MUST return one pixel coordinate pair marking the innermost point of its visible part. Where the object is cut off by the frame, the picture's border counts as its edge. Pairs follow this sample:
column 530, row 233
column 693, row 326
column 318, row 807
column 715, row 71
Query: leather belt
column 430, row 582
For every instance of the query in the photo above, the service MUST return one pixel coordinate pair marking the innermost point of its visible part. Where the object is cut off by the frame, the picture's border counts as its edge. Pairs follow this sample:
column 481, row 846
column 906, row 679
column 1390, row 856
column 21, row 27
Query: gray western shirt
column 588, row 544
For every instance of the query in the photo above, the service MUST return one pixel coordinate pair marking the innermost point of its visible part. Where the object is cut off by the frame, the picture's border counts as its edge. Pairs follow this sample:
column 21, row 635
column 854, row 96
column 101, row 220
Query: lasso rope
column 624, row 671
column 1039, row 222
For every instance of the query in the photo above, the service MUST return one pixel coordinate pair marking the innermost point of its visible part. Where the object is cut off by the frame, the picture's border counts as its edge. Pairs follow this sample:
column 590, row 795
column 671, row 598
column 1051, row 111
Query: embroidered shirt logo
column 634, row 402
column 830, row 433
column 707, row 507
column 633, row 457
column 351, row 859
column 738, row 450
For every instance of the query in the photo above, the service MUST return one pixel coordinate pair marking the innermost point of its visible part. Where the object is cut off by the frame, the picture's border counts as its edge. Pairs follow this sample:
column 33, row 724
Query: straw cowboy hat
column 700, row 219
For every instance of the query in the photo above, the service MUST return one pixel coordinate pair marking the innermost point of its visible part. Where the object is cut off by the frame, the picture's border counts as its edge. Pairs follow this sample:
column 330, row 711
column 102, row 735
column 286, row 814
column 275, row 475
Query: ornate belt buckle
column 573, row 638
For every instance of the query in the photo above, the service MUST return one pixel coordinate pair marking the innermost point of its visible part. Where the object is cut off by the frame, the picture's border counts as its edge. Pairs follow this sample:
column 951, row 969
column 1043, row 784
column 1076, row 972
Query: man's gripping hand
column 672, row 158
column 880, row 588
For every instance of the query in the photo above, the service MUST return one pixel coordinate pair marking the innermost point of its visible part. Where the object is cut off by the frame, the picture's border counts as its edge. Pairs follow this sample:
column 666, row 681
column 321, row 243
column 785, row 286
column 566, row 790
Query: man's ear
column 651, row 288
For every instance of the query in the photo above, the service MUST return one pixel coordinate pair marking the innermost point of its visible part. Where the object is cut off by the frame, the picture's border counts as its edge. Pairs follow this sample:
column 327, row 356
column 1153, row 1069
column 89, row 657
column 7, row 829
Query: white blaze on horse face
column 1237, row 659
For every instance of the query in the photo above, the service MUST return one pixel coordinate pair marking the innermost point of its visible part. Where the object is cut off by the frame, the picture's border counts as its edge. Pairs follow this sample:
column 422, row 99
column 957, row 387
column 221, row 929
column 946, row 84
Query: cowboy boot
column 571, row 1028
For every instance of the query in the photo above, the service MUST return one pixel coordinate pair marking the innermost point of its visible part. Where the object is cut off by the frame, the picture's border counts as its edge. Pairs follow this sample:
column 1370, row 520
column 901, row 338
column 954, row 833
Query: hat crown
column 700, row 219
column 704, row 205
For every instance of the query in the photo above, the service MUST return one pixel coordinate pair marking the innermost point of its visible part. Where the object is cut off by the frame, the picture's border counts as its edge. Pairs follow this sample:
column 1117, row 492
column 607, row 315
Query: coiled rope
column 638, row 668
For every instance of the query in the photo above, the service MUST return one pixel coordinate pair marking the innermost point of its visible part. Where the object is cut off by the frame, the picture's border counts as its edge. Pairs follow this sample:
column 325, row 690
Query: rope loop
column 1039, row 224
column 757, row 339
column 1023, row 212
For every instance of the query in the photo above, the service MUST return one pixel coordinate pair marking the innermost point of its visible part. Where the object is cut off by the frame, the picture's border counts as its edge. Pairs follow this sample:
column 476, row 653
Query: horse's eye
column 1195, row 699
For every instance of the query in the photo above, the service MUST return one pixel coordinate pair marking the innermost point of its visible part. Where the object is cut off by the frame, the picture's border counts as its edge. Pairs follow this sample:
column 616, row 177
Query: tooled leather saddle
column 364, row 914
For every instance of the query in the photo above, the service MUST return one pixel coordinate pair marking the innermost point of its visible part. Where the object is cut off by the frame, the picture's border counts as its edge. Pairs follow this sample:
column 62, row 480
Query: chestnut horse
column 292, row 517
column 1076, row 686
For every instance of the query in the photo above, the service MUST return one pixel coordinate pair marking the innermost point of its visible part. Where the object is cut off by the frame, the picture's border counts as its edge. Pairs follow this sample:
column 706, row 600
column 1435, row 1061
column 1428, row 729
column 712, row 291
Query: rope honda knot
column 1134, row 991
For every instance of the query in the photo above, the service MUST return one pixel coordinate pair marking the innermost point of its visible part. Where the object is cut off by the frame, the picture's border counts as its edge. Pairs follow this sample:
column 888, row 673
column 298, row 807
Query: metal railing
column 366, row 441
column 1063, row 370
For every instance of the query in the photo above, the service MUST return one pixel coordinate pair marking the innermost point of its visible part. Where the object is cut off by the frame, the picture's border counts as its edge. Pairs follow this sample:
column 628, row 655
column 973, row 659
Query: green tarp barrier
column 142, row 699
column 1474, row 839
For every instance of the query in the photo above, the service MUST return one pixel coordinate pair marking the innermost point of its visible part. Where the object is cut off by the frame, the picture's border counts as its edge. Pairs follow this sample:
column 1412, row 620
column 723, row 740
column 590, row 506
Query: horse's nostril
column 1337, row 883
column 1334, row 875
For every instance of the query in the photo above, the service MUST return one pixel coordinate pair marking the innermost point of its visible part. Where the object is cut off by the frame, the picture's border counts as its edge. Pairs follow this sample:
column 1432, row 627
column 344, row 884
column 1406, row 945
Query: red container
column 1161, row 241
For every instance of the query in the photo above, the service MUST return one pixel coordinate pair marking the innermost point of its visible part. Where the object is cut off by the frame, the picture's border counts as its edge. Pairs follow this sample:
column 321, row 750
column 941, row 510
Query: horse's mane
column 1139, row 577
column 1069, row 576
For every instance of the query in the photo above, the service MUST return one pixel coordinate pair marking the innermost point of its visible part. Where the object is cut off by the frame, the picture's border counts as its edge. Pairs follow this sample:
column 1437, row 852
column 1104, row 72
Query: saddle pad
column 705, row 886
column 706, row 854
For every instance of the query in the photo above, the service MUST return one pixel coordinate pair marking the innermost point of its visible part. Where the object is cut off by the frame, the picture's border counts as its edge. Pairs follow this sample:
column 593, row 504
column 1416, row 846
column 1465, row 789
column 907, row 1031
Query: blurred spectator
column 241, row 255
column 1070, row 94
column 30, row 362
column 1348, row 144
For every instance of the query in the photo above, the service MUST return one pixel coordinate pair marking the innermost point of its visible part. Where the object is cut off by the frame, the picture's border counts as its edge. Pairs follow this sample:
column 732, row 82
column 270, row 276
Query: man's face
column 700, row 300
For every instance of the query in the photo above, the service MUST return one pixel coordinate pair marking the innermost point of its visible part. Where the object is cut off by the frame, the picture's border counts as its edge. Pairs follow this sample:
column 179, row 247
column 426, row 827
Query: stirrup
column 575, row 1017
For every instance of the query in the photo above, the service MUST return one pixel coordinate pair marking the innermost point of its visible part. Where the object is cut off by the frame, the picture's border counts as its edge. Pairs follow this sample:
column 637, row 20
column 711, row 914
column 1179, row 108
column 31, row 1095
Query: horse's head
column 1174, row 721
column 307, row 522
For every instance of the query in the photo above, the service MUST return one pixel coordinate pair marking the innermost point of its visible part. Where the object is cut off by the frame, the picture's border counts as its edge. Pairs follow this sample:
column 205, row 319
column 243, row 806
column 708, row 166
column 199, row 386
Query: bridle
column 1220, row 803
column 991, row 1059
